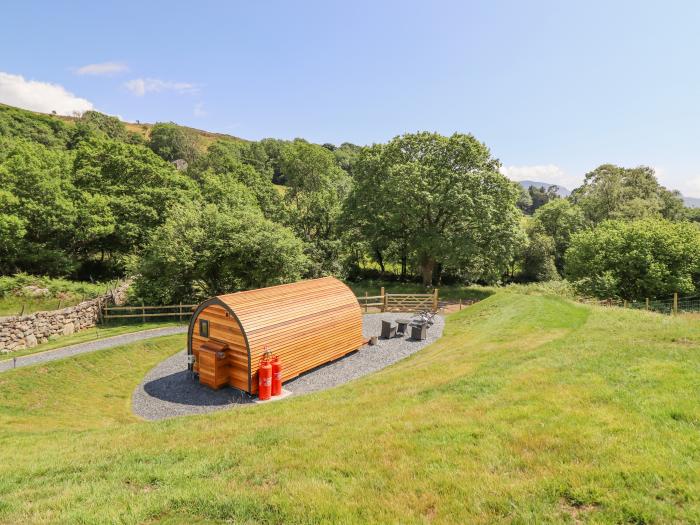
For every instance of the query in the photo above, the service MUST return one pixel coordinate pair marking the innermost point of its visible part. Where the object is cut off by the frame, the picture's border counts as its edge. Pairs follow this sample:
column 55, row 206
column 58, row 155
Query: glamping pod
column 306, row 324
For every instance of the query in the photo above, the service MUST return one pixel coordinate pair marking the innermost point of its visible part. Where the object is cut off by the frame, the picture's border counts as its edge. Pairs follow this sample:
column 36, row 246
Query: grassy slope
column 529, row 409
column 90, row 334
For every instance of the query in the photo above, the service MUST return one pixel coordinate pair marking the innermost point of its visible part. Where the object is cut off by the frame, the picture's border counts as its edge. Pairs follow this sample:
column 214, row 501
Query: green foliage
column 130, row 189
column 539, row 257
column 612, row 192
column 559, row 220
column 173, row 142
column 44, row 129
column 228, row 164
column 439, row 200
column 540, row 196
column 40, row 203
column 317, row 188
column 633, row 260
column 205, row 250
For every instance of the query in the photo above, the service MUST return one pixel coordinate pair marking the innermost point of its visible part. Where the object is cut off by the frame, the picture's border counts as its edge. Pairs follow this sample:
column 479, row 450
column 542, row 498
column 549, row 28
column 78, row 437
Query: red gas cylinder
column 276, row 376
column 264, row 380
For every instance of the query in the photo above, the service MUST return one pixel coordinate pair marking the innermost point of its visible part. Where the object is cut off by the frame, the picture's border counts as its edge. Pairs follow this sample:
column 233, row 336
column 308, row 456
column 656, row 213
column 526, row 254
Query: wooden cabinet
column 213, row 365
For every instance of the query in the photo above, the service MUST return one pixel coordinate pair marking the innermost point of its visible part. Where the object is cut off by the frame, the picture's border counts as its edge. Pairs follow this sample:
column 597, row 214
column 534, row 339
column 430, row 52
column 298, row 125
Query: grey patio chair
column 388, row 330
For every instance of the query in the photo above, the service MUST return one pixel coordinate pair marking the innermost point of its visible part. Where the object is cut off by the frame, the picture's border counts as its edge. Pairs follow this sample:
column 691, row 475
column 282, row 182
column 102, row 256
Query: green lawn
column 91, row 334
column 530, row 409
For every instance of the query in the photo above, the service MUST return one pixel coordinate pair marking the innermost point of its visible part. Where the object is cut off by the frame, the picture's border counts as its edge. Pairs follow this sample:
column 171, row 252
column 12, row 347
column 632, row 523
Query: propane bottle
column 276, row 376
column 264, row 379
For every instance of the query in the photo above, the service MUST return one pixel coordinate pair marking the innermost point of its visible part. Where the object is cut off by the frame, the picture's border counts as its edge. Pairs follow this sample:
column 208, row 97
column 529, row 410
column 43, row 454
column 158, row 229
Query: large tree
column 203, row 250
column 173, row 142
column 445, row 197
column 613, row 192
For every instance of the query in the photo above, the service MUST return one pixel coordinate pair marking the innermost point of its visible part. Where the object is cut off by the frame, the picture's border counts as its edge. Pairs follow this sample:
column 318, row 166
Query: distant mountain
column 691, row 202
column 562, row 191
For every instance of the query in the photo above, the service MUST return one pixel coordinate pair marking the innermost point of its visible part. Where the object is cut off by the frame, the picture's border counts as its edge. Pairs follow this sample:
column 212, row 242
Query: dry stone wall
column 27, row 331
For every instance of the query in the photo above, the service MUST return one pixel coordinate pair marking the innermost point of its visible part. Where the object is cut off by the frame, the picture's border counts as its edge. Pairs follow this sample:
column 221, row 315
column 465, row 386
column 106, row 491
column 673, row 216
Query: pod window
column 204, row 328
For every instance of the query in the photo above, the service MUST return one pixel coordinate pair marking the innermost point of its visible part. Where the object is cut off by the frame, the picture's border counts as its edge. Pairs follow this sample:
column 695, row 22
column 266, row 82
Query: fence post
column 180, row 312
column 675, row 302
column 143, row 313
column 460, row 304
column 366, row 295
column 435, row 300
column 624, row 304
column 384, row 301
column 647, row 301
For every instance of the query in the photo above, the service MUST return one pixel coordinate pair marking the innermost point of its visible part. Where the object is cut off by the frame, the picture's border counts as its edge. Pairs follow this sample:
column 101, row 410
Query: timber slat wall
column 307, row 324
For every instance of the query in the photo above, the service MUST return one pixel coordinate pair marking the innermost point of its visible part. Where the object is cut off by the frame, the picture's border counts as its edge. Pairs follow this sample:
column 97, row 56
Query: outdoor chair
column 419, row 332
column 388, row 330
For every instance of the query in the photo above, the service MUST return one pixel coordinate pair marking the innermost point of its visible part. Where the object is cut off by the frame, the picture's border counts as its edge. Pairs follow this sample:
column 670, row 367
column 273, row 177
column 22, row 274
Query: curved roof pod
column 307, row 323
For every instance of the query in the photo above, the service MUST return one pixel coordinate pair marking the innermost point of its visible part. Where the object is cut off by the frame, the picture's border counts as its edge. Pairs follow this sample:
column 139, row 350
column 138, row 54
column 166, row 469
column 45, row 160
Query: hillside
column 142, row 128
column 561, row 191
column 529, row 409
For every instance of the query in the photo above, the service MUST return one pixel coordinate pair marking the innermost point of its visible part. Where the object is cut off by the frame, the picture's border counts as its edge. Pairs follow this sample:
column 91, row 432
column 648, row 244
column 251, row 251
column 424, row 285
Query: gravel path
column 169, row 390
column 90, row 346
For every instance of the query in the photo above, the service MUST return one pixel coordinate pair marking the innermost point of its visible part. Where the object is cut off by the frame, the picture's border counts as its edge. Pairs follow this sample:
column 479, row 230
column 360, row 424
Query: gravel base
column 169, row 390
column 90, row 346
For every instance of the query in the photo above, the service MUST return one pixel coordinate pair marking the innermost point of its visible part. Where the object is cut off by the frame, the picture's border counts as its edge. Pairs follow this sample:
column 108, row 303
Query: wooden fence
column 181, row 311
column 400, row 302
column 673, row 305
column 384, row 302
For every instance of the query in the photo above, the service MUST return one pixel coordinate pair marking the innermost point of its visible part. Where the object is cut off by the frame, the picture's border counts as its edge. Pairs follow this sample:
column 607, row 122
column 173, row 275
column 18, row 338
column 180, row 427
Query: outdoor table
column 402, row 325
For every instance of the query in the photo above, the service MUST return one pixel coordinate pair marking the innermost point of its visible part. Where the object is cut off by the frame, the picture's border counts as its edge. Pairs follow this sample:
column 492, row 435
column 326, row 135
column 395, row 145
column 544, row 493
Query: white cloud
column 549, row 173
column 45, row 97
column 141, row 86
column 199, row 110
column 104, row 68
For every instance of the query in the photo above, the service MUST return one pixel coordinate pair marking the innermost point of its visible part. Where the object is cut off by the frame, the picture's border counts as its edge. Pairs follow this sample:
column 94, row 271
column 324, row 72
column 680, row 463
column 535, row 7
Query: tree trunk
column 380, row 259
column 426, row 266
column 404, row 260
column 438, row 274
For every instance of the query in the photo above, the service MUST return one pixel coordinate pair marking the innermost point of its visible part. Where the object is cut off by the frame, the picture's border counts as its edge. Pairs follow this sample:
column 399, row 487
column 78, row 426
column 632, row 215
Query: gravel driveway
column 169, row 390
column 90, row 346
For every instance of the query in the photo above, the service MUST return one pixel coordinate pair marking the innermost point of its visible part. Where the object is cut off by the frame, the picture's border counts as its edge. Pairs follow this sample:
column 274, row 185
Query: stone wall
column 27, row 331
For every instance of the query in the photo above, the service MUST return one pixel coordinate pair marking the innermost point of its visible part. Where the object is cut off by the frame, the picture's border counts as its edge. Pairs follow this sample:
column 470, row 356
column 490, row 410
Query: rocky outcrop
column 27, row 331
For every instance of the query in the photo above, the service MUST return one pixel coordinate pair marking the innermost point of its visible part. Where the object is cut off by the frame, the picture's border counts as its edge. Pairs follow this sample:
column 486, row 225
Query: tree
column 538, row 257
column 204, row 250
column 130, row 188
column 541, row 196
column 173, row 142
column 612, row 192
column 12, row 231
column 316, row 190
column 39, row 193
column 447, row 197
column 559, row 220
column 240, row 163
column 633, row 260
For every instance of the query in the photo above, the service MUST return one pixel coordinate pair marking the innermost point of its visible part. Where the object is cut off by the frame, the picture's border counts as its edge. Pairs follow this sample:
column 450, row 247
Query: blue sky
column 553, row 88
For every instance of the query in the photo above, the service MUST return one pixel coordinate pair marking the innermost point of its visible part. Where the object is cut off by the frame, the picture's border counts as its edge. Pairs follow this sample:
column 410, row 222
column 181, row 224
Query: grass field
column 84, row 336
column 61, row 293
column 530, row 409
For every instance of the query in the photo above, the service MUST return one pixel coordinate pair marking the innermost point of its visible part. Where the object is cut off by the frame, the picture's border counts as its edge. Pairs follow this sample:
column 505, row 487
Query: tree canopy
column 637, row 259
column 444, row 197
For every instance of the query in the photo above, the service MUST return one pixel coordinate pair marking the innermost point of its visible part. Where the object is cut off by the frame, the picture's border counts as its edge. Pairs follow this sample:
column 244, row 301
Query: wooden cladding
column 307, row 324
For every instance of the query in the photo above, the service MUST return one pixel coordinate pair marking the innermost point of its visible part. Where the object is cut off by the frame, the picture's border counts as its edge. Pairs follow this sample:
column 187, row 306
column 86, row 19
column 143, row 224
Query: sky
column 553, row 88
